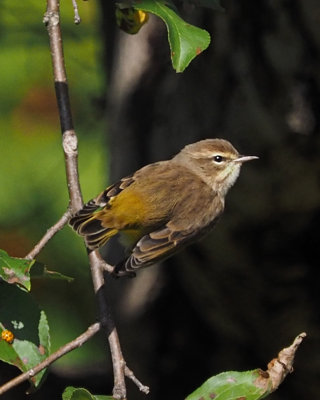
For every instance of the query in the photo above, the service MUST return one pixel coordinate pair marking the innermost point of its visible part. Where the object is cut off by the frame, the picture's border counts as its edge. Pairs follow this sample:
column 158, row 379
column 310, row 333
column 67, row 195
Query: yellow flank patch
column 128, row 209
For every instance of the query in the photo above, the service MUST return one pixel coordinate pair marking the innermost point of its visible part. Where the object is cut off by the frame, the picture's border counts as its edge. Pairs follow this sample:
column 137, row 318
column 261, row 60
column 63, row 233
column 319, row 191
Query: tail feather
column 90, row 226
column 86, row 223
column 83, row 215
column 98, row 239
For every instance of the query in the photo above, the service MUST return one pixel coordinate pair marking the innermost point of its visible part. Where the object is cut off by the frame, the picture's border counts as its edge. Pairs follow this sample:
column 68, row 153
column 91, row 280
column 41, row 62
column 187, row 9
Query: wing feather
column 177, row 233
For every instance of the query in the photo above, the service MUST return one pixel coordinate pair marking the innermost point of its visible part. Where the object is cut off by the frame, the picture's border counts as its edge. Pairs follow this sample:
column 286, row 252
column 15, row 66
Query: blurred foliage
column 33, row 185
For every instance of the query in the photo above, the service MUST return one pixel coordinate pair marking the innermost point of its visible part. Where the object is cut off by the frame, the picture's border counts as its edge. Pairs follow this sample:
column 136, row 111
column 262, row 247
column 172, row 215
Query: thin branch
column 48, row 235
column 118, row 363
column 77, row 18
column 130, row 375
column 79, row 341
column 70, row 141
column 71, row 159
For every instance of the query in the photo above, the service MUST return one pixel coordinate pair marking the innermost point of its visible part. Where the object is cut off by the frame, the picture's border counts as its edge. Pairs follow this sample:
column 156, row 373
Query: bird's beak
column 242, row 159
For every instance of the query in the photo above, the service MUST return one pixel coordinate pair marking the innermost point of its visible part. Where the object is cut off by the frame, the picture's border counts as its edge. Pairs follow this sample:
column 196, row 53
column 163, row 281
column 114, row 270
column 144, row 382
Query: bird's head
column 216, row 161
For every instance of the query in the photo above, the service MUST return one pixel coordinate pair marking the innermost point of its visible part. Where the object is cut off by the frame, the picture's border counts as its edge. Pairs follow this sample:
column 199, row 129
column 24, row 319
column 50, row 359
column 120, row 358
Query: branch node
column 106, row 267
column 69, row 142
column 119, row 392
column 51, row 18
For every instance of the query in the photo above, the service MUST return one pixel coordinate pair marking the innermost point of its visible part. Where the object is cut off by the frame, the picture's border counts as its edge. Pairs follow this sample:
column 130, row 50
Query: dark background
column 232, row 301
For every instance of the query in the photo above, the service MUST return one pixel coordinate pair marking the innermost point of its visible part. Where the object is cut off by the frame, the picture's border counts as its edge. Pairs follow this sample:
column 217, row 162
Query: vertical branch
column 52, row 21
column 106, row 319
column 70, row 142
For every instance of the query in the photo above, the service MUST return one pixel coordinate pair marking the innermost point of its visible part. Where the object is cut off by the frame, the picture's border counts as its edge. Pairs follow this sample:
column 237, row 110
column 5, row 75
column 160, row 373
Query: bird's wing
column 116, row 209
column 161, row 243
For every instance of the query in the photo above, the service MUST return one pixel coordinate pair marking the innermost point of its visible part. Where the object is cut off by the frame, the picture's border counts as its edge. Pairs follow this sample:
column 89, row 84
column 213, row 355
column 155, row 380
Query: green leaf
column 44, row 333
column 232, row 385
column 72, row 393
column 186, row 41
column 28, row 355
column 15, row 270
column 21, row 315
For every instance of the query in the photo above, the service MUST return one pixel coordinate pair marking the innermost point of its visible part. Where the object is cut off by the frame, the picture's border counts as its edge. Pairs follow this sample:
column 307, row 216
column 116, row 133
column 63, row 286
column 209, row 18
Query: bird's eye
column 218, row 159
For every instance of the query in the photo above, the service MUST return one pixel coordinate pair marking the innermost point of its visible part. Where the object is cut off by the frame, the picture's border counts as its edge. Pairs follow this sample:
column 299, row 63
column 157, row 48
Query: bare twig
column 84, row 337
column 77, row 18
column 130, row 375
column 48, row 235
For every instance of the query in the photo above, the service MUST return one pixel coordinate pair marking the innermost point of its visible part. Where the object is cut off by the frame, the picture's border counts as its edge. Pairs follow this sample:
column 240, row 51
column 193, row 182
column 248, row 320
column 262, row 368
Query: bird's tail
column 86, row 222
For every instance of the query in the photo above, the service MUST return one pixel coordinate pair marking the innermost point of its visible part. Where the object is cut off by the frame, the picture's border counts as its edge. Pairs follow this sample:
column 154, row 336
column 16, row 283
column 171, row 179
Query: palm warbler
column 163, row 206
